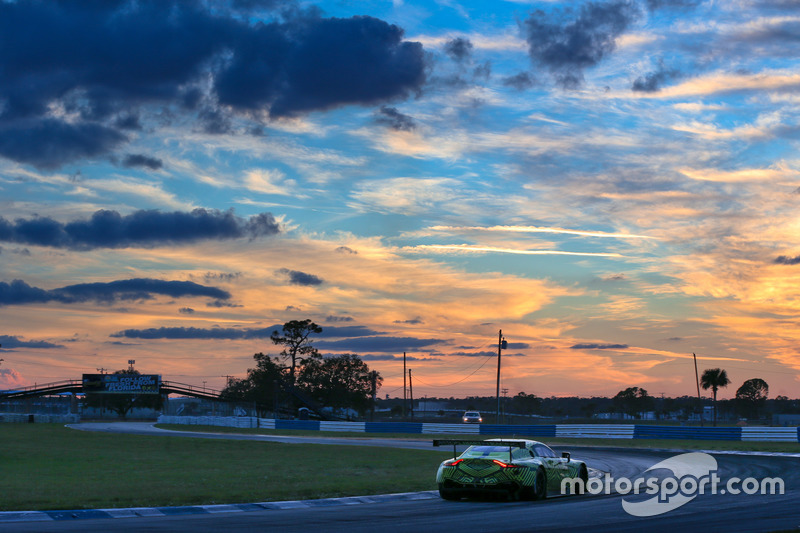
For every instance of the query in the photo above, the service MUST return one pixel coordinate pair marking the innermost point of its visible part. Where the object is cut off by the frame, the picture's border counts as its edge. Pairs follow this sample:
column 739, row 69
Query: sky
column 614, row 185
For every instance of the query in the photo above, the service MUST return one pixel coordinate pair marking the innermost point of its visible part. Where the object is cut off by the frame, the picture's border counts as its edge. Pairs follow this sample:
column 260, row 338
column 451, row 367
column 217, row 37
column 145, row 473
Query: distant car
column 472, row 417
column 518, row 469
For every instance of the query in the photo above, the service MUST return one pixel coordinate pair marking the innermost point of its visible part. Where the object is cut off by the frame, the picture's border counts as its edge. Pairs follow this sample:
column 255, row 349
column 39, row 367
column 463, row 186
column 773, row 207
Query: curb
column 147, row 512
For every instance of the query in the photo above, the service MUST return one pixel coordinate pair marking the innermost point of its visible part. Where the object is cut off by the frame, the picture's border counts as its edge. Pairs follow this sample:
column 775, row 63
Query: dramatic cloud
column 101, row 63
column 18, row 292
column 9, row 342
column 109, row 229
column 300, row 278
column 567, row 47
column 316, row 63
column 48, row 143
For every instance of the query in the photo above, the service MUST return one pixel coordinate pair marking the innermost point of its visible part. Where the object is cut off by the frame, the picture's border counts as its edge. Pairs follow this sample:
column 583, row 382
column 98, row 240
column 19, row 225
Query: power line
column 460, row 380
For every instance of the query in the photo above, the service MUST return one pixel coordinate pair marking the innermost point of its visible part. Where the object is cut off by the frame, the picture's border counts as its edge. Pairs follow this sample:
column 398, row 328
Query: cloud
column 313, row 63
column 93, row 68
column 146, row 228
column 467, row 248
column 9, row 342
column 786, row 260
column 142, row 161
column 234, row 333
column 653, row 5
column 19, row 293
column 11, row 379
column 49, row 143
column 413, row 321
column 567, row 47
column 590, row 346
column 459, row 49
column 653, row 81
column 520, row 82
column 301, row 278
column 394, row 119
column 334, row 318
column 377, row 344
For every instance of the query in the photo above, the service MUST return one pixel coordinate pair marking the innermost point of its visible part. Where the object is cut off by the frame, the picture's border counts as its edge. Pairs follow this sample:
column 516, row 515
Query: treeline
column 633, row 402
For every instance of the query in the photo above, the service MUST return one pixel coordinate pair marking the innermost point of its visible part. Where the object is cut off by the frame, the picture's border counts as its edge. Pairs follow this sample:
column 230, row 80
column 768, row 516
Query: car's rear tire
column 448, row 494
column 539, row 489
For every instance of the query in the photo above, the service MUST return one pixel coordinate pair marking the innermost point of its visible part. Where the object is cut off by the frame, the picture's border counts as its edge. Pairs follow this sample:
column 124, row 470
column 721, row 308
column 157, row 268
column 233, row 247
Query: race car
column 519, row 469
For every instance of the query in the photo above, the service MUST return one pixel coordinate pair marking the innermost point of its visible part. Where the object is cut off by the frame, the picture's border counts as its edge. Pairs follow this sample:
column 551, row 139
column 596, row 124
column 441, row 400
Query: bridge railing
column 68, row 385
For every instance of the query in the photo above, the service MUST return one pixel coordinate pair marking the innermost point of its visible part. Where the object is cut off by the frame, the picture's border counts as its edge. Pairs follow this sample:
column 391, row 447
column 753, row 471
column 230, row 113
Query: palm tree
column 714, row 378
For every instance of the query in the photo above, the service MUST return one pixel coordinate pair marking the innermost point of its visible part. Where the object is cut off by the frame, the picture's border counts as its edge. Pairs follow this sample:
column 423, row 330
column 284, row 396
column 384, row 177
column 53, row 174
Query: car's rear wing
column 463, row 442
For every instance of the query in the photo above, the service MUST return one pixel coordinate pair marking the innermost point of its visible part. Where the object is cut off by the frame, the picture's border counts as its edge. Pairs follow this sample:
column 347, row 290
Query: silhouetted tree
column 714, row 378
column 751, row 396
column 339, row 381
column 297, row 343
column 633, row 401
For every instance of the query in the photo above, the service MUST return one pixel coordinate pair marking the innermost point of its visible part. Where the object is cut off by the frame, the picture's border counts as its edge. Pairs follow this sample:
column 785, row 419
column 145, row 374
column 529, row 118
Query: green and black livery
column 519, row 469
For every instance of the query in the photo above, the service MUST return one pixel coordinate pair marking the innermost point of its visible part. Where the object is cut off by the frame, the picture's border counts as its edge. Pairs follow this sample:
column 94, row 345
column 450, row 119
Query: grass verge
column 50, row 467
column 677, row 444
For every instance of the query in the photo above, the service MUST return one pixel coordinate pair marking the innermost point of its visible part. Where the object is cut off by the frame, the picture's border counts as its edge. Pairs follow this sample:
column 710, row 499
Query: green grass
column 50, row 467
column 676, row 444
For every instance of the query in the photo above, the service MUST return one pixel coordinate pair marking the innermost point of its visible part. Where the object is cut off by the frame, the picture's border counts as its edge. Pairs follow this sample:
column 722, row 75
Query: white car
column 472, row 417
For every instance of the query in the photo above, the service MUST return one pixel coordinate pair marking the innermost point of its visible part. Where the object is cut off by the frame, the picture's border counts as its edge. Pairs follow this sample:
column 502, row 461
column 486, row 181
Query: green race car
column 520, row 469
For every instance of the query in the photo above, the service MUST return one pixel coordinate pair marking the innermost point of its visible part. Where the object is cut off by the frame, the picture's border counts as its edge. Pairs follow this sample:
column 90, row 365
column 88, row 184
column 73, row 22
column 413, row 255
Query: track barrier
column 573, row 431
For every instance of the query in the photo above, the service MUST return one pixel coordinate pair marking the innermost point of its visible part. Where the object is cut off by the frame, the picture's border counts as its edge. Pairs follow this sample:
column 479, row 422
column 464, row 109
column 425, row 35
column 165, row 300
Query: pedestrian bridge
column 75, row 386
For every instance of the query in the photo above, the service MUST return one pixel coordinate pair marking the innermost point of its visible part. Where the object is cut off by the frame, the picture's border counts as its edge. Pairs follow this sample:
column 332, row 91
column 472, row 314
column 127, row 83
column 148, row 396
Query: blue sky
column 613, row 184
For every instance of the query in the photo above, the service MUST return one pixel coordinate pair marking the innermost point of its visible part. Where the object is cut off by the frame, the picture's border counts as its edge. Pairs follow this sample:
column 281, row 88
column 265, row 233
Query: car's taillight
column 453, row 462
column 504, row 465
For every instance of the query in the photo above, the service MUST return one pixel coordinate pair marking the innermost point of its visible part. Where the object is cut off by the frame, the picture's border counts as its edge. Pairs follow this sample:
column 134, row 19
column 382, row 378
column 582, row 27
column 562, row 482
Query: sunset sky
column 614, row 185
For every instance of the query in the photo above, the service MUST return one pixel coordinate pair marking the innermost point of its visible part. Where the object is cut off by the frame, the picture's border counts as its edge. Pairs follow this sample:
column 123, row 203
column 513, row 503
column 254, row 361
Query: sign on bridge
column 122, row 383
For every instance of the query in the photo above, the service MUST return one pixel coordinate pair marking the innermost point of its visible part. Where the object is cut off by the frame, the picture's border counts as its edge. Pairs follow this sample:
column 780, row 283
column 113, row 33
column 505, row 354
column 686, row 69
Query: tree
column 633, row 401
column 526, row 404
column 751, row 396
column 260, row 386
column 296, row 342
column 339, row 381
column 714, row 378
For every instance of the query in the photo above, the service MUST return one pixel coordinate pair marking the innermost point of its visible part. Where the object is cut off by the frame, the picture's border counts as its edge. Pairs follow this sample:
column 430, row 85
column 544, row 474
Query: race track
column 425, row 512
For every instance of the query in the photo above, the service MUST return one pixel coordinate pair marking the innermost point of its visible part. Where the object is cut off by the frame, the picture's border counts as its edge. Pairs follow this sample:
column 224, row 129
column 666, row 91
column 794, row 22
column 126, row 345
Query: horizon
column 611, row 184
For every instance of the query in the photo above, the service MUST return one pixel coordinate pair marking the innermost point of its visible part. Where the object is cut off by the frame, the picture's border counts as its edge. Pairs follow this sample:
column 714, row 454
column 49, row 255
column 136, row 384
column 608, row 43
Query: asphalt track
column 426, row 512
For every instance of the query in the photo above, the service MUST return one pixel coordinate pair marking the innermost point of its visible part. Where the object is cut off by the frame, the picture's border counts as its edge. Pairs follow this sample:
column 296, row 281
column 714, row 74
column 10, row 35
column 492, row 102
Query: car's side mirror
column 565, row 455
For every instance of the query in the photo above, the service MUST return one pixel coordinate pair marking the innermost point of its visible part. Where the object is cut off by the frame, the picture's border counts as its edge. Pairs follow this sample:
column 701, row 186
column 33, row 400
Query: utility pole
column 697, row 379
column 404, row 385
column 411, row 392
column 501, row 343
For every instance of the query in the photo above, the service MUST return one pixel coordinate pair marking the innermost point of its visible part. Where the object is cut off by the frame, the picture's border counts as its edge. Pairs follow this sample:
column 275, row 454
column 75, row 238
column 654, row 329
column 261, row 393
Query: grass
column 50, row 467
column 677, row 444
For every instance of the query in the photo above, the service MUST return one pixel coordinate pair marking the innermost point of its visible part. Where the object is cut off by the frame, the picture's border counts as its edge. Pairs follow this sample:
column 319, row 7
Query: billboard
column 122, row 383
